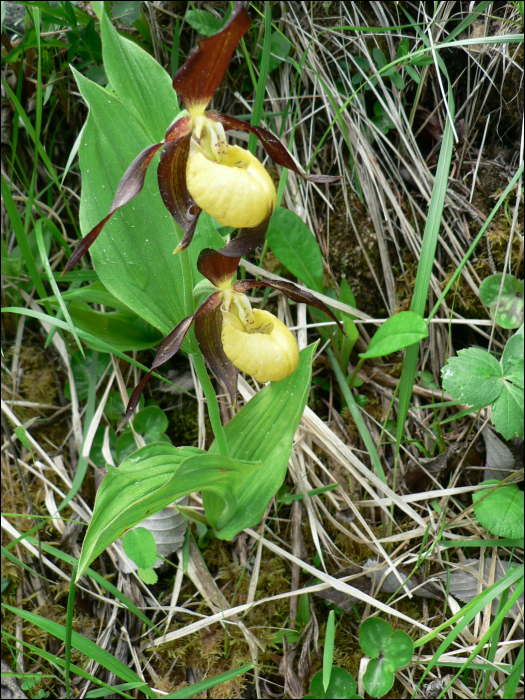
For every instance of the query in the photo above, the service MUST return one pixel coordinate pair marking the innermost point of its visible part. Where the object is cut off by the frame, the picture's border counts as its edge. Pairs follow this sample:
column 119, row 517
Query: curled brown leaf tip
column 217, row 268
column 134, row 400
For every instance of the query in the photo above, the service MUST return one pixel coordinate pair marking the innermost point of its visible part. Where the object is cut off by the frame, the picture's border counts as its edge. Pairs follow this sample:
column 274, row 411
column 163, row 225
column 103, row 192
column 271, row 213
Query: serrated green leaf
column 507, row 411
column 294, row 245
column 398, row 332
column 474, row 376
column 512, row 359
column 501, row 512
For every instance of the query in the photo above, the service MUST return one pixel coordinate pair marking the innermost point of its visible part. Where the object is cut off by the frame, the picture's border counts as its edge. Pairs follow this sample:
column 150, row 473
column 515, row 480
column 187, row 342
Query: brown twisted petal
column 171, row 176
column 167, row 349
column 247, row 240
column 292, row 291
column 196, row 81
column 273, row 147
column 208, row 329
column 131, row 184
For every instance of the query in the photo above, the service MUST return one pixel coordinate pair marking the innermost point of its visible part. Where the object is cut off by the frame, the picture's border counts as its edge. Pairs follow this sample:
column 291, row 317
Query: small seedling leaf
column 151, row 419
column 203, row 22
column 148, row 575
column 501, row 512
column 400, row 331
column 341, row 685
column 509, row 312
column 378, row 678
column 139, row 544
column 389, row 651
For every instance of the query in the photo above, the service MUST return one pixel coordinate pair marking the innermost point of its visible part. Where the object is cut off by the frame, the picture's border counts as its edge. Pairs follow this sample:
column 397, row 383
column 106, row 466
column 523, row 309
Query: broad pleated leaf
column 152, row 478
column 263, row 430
column 133, row 255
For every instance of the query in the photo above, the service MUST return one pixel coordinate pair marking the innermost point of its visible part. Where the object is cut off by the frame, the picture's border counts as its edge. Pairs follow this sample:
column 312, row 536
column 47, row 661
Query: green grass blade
column 424, row 271
column 103, row 347
column 53, row 283
column 472, row 248
column 328, row 653
column 84, row 645
column 21, row 238
column 69, row 627
column 57, row 661
column 31, row 131
column 193, row 690
column 104, row 583
column 263, row 76
column 356, row 415
column 514, row 678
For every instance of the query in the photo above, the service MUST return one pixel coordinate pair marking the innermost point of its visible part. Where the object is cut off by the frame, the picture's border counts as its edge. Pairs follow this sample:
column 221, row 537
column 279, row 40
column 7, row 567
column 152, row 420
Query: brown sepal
column 196, row 81
column 131, row 184
column 171, row 176
column 208, row 329
column 292, row 291
column 217, row 268
column 273, row 147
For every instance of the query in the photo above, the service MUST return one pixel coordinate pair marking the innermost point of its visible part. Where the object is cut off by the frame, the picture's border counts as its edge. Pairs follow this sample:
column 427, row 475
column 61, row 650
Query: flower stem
column 213, row 404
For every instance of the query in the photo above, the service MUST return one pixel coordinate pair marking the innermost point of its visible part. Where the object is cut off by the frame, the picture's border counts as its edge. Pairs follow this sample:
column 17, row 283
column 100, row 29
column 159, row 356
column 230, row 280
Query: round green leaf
column 126, row 445
column 374, row 635
column 378, row 678
column 341, row 685
column 150, row 419
column 399, row 648
column 398, row 332
column 501, row 513
column 509, row 312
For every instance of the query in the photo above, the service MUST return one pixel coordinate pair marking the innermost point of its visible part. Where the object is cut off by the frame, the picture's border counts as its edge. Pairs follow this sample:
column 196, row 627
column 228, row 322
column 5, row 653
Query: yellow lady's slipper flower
column 198, row 170
column 231, row 335
column 265, row 349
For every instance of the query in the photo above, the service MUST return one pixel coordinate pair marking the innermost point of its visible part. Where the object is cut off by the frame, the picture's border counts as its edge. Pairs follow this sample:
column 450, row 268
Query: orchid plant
column 198, row 172
column 231, row 335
